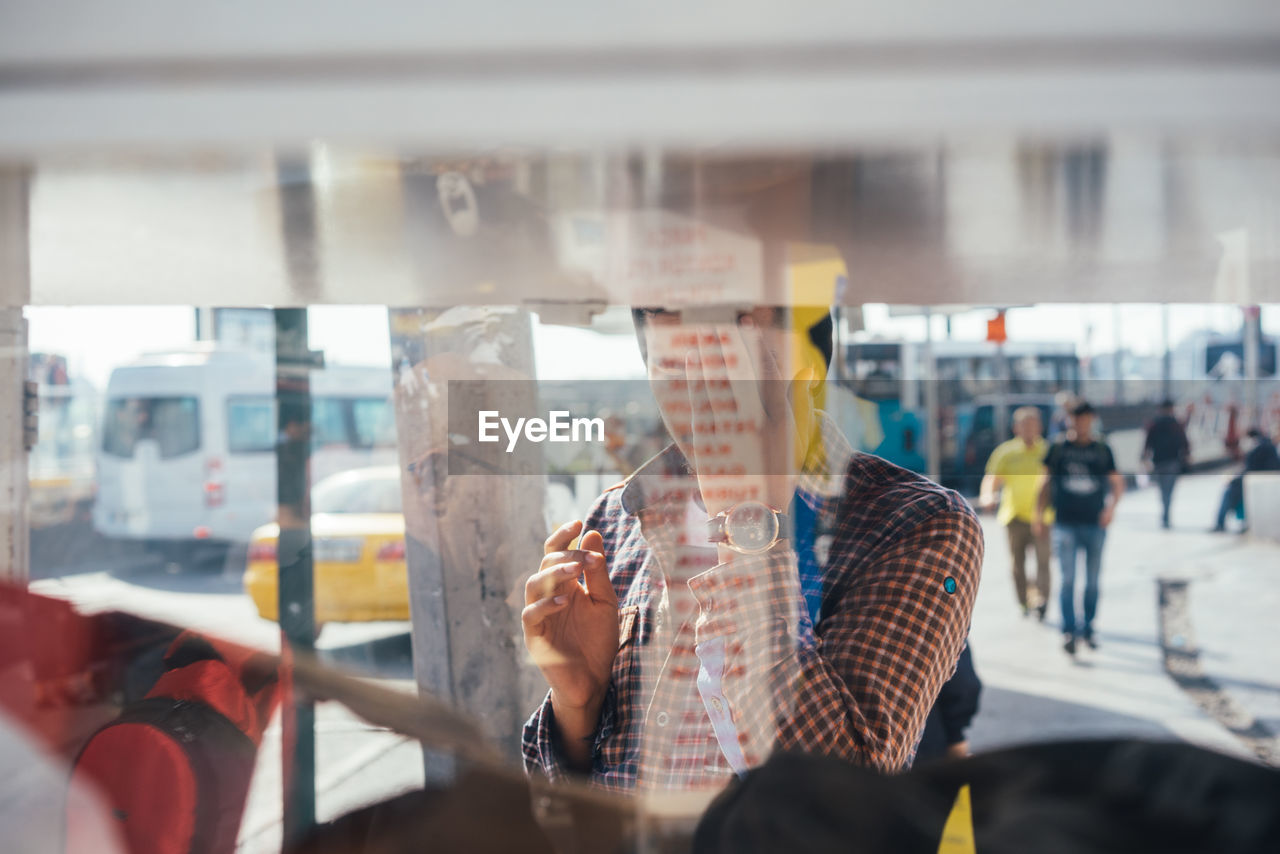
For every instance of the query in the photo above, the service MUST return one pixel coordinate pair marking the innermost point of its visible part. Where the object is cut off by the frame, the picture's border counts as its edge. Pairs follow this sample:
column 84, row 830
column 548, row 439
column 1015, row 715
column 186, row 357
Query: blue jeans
column 1166, row 474
column 1069, row 540
column 1232, row 500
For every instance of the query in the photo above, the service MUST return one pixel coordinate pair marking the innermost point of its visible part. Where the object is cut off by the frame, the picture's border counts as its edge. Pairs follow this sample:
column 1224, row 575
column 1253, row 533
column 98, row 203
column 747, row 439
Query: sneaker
column 1025, row 611
column 1040, row 612
column 1069, row 644
column 1089, row 639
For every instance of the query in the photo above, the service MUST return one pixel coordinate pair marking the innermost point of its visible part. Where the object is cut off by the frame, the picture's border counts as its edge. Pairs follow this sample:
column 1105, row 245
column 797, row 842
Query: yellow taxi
column 357, row 531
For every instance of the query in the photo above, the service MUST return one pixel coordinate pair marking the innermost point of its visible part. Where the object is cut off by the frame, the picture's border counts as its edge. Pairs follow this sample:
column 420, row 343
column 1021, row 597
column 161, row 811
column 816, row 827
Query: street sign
column 995, row 329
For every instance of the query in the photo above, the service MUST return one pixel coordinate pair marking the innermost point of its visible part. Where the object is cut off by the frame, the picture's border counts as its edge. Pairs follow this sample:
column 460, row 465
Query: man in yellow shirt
column 1014, row 470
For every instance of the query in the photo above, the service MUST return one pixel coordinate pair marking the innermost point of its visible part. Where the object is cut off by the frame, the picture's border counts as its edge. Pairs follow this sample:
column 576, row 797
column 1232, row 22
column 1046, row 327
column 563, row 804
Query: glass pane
column 375, row 423
column 251, row 425
column 794, row 405
column 171, row 422
column 329, row 423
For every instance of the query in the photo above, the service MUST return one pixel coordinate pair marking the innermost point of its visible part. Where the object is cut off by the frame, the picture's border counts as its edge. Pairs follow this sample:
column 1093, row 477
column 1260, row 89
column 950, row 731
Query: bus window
column 251, row 425
column 1032, row 374
column 1227, row 359
column 172, row 422
column 375, row 422
column 876, row 370
column 328, row 423
column 955, row 379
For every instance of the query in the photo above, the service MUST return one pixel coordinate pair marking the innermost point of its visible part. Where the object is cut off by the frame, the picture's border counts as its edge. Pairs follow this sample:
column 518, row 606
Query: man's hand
column 987, row 493
column 1037, row 525
column 571, row 632
column 1105, row 518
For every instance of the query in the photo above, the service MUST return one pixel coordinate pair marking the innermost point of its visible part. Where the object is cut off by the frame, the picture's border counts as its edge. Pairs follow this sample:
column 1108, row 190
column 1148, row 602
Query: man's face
column 1028, row 428
column 1083, row 424
column 743, row 347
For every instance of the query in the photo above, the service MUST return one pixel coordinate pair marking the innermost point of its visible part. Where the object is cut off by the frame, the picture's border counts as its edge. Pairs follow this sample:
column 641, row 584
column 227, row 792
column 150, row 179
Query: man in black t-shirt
column 1084, row 487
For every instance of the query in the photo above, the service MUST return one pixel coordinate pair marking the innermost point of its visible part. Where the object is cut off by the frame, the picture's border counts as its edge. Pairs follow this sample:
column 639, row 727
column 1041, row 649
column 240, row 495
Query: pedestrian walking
column 1013, row 471
column 1064, row 402
column 1168, row 452
column 1083, row 487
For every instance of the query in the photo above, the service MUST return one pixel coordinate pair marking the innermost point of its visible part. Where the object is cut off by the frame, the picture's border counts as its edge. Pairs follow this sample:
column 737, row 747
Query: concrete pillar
column 471, row 539
column 15, row 292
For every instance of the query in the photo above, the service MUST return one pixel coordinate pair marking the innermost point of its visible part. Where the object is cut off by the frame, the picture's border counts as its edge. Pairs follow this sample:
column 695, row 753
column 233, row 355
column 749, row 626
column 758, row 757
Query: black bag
column 1091, row 797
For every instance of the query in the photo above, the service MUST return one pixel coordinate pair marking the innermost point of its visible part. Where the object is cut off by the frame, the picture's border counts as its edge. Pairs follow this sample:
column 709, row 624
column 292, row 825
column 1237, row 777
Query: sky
column 96, row 339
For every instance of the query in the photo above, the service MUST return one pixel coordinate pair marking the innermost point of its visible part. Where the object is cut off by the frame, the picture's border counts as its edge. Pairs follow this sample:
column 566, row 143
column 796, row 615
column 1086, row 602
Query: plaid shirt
column 718, row 664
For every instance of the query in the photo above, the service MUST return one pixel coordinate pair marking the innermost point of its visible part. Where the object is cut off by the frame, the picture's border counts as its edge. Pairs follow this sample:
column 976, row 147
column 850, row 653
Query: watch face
column 751, row 527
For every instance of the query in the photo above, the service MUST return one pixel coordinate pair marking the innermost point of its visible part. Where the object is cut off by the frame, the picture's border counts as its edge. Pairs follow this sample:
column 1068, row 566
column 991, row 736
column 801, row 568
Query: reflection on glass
column 745, row 558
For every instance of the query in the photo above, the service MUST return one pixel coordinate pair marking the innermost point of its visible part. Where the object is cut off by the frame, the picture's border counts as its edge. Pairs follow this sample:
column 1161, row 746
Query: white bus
column 188, row 440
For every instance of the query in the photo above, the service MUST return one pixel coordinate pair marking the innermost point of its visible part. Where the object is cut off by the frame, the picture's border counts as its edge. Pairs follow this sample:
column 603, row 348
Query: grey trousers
column 1020, row 537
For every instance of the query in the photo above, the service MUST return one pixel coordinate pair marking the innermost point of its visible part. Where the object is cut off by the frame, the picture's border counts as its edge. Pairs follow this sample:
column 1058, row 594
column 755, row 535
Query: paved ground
column 1033, row 690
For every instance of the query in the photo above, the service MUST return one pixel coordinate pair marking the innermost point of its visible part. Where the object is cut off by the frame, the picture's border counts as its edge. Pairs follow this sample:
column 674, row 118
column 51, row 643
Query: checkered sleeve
column 538, row 743
column 862, row 687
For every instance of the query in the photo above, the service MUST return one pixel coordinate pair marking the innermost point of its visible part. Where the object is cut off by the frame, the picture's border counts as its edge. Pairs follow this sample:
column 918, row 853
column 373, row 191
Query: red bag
column 175, row 766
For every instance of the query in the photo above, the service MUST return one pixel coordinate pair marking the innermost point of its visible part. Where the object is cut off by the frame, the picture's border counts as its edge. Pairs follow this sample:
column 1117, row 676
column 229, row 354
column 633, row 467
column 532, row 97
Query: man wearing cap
column 1083, row 486
column 755, row 586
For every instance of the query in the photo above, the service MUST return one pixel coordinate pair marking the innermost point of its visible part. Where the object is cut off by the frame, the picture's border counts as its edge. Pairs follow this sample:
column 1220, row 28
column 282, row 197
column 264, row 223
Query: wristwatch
column 749, row 527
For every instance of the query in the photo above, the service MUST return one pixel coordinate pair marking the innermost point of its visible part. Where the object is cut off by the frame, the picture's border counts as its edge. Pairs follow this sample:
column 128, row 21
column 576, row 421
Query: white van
column 188, row 442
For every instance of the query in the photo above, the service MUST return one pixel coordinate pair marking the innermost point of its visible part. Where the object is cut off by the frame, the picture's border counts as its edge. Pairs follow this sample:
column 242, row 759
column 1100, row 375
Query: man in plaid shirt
column 755, row 586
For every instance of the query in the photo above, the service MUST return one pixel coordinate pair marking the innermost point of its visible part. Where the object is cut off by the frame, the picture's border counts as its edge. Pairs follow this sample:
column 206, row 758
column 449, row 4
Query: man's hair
column 1023, row 412
column 822, row 334
column 1082, row 407
column 1254, row 433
